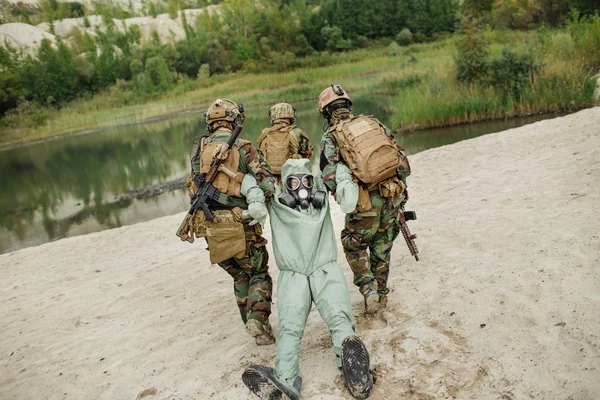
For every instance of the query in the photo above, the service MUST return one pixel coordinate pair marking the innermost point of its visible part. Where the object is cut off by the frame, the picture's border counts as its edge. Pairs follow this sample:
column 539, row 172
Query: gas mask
column 299, row 192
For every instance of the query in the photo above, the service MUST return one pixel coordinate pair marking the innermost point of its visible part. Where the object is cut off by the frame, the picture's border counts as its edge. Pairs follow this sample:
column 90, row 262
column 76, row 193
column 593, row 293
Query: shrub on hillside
column 405, row 37
column 471, row 59
column 512, row 73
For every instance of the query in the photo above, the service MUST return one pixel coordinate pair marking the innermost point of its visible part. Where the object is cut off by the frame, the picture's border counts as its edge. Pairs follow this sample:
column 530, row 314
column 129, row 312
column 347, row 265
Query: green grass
column 418, row 86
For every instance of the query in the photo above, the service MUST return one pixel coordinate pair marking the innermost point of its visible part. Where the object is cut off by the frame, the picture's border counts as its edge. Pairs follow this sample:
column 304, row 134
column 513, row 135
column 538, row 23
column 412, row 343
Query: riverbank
column 502, row 303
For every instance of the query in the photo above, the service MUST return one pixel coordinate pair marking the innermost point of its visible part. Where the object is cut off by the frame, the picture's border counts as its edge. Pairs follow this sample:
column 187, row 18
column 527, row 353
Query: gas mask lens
column 293, row 182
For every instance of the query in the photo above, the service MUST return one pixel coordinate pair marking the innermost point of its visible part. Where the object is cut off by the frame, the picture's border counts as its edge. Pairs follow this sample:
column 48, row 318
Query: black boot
column 355, row 365
column 262, row 382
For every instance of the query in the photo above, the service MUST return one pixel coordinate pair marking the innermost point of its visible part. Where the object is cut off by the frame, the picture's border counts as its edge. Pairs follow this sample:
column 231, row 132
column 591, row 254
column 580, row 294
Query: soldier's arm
column 258, row 166
column 330, row 157
column 305, row 149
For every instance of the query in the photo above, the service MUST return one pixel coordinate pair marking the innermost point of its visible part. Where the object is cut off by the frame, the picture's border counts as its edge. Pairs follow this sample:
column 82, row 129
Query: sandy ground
column 504, row 303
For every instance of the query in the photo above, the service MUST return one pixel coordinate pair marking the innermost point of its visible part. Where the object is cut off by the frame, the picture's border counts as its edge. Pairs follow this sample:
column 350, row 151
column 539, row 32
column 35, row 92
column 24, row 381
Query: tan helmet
column 282, row 111
column 330, row 95
column 224, row 110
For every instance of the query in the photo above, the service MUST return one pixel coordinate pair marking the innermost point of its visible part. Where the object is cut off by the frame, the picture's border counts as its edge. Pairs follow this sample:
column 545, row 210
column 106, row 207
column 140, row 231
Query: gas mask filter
column 300, row 192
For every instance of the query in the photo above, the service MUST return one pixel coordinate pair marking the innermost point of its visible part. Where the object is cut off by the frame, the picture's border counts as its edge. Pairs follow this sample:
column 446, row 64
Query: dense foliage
column 260, row 36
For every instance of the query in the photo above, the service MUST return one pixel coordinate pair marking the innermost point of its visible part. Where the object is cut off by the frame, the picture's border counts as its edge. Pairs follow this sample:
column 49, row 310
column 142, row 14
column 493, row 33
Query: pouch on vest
column 364, row 200
column 391, row 187
column 191, row 186
column 225, row 235
column 369, row 152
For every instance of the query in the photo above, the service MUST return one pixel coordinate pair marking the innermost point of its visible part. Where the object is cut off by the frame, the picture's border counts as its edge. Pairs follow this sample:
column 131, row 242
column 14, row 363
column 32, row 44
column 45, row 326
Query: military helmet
column 333, row 94
column 282, row 111
column 224, row 110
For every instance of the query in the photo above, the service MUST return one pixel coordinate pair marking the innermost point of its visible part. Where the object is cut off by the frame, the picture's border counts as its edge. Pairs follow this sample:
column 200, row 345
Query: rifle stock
column 206, row 193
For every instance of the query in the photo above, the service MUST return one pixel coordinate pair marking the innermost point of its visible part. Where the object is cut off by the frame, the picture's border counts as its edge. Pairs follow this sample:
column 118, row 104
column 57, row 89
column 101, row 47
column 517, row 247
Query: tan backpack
column 223, row 182
column 278, row 143
column 369, row 152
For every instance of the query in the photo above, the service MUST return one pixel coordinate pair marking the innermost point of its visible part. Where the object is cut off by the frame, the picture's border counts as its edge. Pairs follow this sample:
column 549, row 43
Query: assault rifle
column 409, row 237
column 207, row 193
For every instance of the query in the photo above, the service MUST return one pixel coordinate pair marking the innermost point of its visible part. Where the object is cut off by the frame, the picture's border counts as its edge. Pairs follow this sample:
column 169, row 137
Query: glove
column 256, row 201
column 257, row 211
column 346, row 193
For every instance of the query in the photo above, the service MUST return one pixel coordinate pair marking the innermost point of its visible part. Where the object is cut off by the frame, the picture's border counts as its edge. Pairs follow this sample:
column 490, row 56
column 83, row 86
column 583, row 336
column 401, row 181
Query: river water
column 80, row 184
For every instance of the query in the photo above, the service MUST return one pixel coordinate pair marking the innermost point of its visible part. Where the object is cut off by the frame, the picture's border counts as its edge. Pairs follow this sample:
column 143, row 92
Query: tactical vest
column 202, row 157
column 279, row 143
column 368, row 151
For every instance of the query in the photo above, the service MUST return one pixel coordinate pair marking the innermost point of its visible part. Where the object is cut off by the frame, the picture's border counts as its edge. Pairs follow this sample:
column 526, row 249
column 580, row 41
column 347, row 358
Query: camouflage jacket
column 305, row 149
column 252, row 161
column 330, row 154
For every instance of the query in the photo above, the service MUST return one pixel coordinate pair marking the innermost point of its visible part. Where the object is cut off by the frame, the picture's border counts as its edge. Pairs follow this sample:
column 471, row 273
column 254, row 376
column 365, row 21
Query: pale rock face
column 24, row 36
column 64, row 27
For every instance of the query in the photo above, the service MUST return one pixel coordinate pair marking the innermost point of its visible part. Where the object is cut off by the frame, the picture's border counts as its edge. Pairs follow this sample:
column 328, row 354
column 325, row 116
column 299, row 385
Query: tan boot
column 371, row 301
column 261, row 332
column 383, row 302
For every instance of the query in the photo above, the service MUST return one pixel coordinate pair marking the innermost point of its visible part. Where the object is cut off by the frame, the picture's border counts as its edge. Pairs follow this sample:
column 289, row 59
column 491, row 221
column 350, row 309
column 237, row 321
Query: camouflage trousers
column 252, row 284
column 367, row 239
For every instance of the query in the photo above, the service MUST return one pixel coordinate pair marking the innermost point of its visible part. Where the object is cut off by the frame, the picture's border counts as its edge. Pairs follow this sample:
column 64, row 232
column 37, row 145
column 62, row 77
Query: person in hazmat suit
column 234, row 236
column 283, row 140
column 305, row 250
column 378, row 165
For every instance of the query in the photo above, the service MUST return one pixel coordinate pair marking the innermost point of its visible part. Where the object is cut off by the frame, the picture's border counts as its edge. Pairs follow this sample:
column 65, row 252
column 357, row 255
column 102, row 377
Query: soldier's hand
column 257, row 211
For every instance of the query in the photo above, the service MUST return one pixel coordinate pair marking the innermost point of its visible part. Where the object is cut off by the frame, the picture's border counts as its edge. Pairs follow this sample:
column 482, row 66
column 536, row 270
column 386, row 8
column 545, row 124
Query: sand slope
column 503, row 304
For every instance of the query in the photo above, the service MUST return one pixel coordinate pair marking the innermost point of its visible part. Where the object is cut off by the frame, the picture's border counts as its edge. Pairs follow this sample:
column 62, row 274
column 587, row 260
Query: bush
column 405, row 37
column 471, row 59
column 585, row 32
column 512, row 73
column 158, row 73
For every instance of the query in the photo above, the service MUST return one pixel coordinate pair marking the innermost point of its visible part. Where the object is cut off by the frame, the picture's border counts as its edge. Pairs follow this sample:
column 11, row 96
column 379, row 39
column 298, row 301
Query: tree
column 477, row 7
column 10, row 79
column 158, row 73
column 471, row 60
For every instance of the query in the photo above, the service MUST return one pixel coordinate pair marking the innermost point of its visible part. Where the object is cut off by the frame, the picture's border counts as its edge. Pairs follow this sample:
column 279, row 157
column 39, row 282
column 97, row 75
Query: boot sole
column 259, row 380
column 355, row 364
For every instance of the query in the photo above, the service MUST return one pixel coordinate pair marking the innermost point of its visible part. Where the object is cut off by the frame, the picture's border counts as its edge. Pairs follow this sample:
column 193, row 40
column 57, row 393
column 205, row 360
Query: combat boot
column 261, row 332
column 371, row 299
column 383, row 302
column 355, row 366
column 263, row 382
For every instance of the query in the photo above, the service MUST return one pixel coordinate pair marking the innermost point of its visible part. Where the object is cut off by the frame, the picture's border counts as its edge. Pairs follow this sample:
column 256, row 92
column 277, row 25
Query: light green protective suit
column 305, row 249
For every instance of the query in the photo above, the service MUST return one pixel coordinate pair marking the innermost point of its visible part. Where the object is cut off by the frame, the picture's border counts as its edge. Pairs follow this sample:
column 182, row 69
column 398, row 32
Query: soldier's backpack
column 278, row 143
column 368, row 151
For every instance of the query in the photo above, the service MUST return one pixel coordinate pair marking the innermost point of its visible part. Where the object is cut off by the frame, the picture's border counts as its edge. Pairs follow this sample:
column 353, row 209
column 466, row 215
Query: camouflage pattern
column 252, row 284
column 282, row 111
column 374, row 231
column 251, row 280
column 305, row 149
column 327, row 97
column 368, row 237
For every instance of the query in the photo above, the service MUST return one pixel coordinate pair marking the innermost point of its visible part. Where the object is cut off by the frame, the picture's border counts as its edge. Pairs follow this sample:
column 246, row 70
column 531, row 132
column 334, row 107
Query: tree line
column 251, row 36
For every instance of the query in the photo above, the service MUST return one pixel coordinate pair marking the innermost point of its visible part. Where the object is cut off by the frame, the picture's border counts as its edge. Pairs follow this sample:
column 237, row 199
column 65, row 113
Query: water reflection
column 75, row 185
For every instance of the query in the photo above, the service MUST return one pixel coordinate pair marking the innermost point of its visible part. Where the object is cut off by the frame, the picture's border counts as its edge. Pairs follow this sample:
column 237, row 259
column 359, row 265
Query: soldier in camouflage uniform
column 252, row 283
column 367, row 237
column 283, row 140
